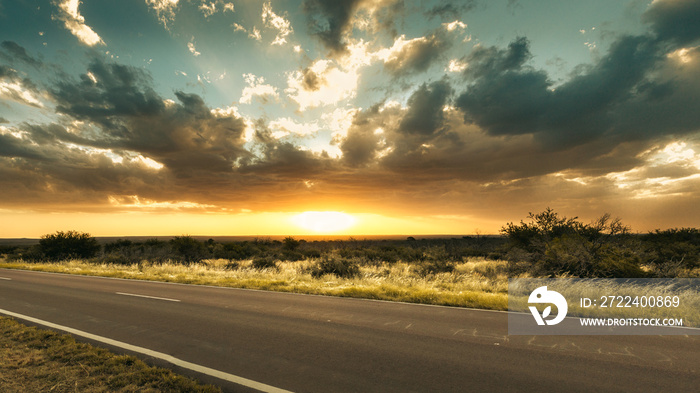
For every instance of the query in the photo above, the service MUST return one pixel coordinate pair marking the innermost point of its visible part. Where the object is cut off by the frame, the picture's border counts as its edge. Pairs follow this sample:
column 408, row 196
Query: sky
column 243, row 117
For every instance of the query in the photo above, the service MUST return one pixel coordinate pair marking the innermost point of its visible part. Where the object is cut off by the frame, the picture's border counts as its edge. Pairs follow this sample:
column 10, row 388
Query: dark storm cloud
column 7, row 72
column 419, row 54
column 425, row 109
column 675, row 21
column 485, row 61
column 507, row 97
column 50, row 172
column 450, row 10
column 633, row 92
column 330, row 21
column 361, row 145
column 11, row 146
column 183, row 135
column 311, row 81
column 117, row 91
column 13, row 51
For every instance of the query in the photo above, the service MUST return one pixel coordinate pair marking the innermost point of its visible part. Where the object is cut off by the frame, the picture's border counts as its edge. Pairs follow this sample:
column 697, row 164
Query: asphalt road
column 306, row 343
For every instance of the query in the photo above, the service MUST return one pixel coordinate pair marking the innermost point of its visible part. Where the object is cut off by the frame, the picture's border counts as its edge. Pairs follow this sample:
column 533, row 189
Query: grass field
column 37, row 360
column 475, row 283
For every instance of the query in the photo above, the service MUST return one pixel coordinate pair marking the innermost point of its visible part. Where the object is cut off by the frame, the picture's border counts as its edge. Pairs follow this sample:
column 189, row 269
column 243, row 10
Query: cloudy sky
column 233, row 117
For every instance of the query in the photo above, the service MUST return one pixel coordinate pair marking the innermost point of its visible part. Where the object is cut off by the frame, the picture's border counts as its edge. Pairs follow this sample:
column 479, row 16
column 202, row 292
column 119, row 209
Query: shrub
column 238, row 251
column 291, row 255
column 435, row 264
column 312, row 253
column 554, row 245
column 291, row 243
column 66, row 245
column 188, row 249
column 341, row 267
column 121, row 252
column 264, row 262
column 117, row 259
column 677, row 247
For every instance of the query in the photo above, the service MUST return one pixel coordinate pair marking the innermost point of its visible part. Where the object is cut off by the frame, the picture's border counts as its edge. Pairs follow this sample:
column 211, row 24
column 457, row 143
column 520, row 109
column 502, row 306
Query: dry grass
column 688, row 308
column 37, row 360
column 474, row 283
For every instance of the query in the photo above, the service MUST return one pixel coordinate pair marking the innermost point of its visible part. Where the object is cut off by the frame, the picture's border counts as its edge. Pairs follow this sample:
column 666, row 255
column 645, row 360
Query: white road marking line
column 148, row 297
column 160, row 355
column 5, row 278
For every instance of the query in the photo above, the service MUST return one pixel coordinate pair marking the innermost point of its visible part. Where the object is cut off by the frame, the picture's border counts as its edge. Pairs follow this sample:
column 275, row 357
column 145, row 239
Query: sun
column 324, row 222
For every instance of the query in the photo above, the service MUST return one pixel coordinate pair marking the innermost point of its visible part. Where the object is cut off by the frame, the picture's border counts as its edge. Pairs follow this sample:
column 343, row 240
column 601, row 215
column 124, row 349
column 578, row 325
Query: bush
column 121, row 252
column 291, row 243
column 188, row 249
column 341, row 267
column 117, row 259
column 237, row 251
column 264, row 262
column 434, row 266
column 291, row 255
column 677, row 247
column 311, row 253
column 68, row 245
column 554, row 245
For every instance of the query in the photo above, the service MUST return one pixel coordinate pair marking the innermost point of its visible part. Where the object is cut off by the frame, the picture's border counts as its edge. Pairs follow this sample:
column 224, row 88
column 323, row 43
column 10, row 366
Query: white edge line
column 159, row 355
column 5, row 278
column 147, row 297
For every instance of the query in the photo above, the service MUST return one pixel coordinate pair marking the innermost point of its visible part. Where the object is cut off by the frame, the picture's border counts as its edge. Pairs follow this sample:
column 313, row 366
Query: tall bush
column 553, row 245
column 187, row 249
column 67, row 245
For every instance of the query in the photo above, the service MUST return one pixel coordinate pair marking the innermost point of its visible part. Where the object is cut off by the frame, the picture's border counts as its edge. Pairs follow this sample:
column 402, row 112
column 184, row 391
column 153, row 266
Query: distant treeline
column 546, row 245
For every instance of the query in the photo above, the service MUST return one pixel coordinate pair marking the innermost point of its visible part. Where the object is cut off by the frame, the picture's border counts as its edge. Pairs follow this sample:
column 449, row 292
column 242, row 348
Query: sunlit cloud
column 256, row 88
column 210, row 8
column 339, row 121
column 684, row 55
column 457, row 66
column 255, row 34
column 13, row 90
column 192, row 49
column 285, row 126
column 331, row 85
column 140, row 203
column 272, row 20
column 455, row 25
column 75, row 23
column 165, row 10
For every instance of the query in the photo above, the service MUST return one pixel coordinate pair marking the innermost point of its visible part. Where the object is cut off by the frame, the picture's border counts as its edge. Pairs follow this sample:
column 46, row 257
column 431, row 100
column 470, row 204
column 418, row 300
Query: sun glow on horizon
column 324, row 222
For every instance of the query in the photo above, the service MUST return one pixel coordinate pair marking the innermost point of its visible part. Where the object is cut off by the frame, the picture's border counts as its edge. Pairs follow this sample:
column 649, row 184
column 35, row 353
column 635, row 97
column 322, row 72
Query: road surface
column 267, row 340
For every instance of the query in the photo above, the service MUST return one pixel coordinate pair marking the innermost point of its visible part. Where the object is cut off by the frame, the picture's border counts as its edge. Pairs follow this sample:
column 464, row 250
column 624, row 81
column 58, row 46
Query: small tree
column 67, row 245
column 552, row 244
column 291, row 243
column 188, row 249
